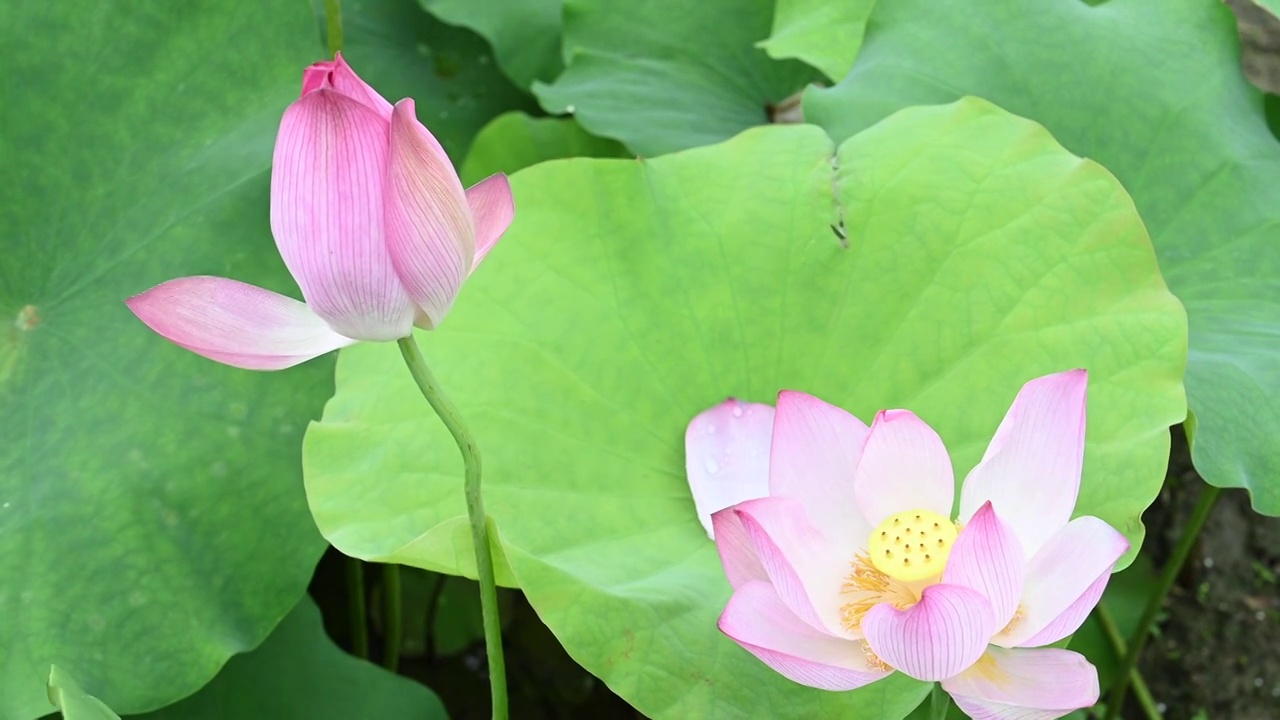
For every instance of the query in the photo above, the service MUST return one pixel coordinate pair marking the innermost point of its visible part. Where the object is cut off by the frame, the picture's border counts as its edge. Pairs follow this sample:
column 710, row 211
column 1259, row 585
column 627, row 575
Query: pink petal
column 937, row 637
column 1031, row 470
column 1072, row 618
column 986, row 557
column 757, row 619
column 326, row 213
column 737, row 553
column 904, row 466
column 815, row 450
column 235, row 323
column 492, row 209
column 339, row 76
column 726, row 456
column 1066, row 569
column 429, row 230
column 806, row 568
column 1039, row 684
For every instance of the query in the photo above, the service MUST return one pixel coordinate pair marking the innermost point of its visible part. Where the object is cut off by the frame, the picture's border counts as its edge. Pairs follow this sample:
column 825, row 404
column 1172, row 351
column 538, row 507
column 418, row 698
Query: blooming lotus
column 371, row 220
column 846, row 564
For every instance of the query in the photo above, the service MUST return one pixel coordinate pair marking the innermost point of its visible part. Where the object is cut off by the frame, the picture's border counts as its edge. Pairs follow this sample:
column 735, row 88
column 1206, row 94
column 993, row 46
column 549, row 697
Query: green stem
column 333, row 21
column 391, row 625
column 1208, row 498
column 452, row 420
column 356, row 612
column 939, row 703
column 1140, row 689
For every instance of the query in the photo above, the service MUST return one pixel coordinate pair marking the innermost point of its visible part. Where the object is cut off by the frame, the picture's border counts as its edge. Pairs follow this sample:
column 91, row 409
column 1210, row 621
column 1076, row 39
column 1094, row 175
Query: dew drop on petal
column 711, row 465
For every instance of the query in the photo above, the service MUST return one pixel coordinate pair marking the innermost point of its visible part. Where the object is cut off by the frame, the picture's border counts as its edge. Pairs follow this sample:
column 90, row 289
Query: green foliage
column 403, row 52
column 662, row 81
column 1151, row 89
column 152, row 519
column 298, row 673
column 515, row 141
column 525, row 35
column 822, row 33
column 630, row 295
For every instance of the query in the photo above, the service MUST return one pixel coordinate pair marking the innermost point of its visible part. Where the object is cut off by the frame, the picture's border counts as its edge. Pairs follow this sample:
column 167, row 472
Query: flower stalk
column 393, row 631
column 452, row 420
column 356, row 612
column 333, row 25
column 1204, row 506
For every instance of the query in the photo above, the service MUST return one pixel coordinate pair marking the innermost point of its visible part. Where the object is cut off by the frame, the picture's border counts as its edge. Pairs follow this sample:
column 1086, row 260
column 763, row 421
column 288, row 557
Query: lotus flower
column 846, row 564
column 371, row 221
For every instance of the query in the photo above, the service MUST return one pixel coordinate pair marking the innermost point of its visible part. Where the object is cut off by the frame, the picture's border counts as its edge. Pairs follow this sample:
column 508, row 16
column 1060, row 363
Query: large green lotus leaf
column 822, row 33
column 152, row 517
column 525, row 35
column 1151, row 89
column 514, row 141
column 402, row 51
column 630, row 295
column 299, row 673
column 661, row 81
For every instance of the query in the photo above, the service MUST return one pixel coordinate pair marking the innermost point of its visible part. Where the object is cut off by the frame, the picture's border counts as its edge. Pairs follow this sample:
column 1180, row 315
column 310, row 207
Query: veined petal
column 804, row 566
column 726, row 456
column 1039, row 684
column 737, row 553
column 235, row 323
column 1067, row 568
column 327, row 183
column 492, row 209
column 430, row 234
column 816, row 447
column 904, row 466
column 337, row 74
column 1031, row 470
column 986, row 557
column 1072, row 618
column 758, row 620
column 937, row 637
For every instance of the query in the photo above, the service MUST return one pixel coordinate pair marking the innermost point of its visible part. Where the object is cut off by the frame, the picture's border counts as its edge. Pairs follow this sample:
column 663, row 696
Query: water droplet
column 570, row 109
column 711, row 465
column 711, row 429
column 737, row 411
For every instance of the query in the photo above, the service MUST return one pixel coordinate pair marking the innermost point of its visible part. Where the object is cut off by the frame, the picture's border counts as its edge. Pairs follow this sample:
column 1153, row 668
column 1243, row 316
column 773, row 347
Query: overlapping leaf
column 661, row 81
column 1151, row 89
column 515, row 141
column 525, row 35
column 152, row 519
column 822, row 33
column 299, row 674
column 630, row 295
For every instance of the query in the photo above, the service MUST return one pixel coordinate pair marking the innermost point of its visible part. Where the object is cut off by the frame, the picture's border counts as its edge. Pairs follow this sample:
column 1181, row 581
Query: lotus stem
column 356, row 612
column 1140, row 689
column 333, row 23
column 452, row 420
column 1204, row 506
column 391, row 614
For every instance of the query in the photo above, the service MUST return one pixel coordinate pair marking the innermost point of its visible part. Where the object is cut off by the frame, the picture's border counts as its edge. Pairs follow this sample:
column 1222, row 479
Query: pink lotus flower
column 846, row 565
column 371, row 220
